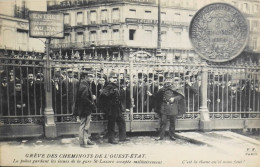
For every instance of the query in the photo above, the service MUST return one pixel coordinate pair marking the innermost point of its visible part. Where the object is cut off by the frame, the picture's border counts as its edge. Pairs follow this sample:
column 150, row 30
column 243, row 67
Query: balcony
column 87, row 44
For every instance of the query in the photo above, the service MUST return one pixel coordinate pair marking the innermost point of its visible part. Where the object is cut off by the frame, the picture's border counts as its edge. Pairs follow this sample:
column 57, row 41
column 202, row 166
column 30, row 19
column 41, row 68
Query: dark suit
column 69, row 89
column 169, row 109
column 57, row 95
column 111, row 104
column 140, row 97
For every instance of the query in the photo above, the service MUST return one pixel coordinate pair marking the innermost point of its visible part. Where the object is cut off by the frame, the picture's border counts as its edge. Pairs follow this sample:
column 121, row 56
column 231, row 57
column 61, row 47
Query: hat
column 69, row 70
column 112, row 74
column 57, row 69
column 176, row 79
column 87, row 73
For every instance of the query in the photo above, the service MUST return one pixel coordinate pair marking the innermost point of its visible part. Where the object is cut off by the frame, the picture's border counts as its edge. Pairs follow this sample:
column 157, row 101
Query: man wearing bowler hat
column 111, row 104
column 170, row 103
column 84, row 106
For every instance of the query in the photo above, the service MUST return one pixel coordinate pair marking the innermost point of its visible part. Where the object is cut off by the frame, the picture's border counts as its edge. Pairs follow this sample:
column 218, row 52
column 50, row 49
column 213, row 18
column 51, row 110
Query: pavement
column 202, row 149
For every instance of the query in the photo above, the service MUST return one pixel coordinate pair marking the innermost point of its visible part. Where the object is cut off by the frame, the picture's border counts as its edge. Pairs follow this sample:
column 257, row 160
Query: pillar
column 50, row 126
column 204, row 112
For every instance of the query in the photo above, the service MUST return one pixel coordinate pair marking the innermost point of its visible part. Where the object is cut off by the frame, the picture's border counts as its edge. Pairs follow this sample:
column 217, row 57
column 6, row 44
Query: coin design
column 218, row 32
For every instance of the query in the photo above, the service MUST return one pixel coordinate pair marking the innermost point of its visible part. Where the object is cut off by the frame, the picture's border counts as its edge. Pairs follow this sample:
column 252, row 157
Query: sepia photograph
column 130, row 83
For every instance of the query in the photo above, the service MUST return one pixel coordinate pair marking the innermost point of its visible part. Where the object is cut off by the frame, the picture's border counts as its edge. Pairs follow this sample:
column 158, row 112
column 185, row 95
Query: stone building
column 113, row 29
column 14, row 25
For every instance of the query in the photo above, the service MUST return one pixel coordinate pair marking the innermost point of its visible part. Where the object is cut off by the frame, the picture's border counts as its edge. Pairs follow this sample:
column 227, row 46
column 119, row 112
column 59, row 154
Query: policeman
column 110, row 103
column 170, row 99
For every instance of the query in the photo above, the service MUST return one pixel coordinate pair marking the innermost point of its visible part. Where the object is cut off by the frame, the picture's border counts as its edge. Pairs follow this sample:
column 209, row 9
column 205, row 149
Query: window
column 132, row 13
column 255, row 8
column 93, row 35
column 115, row 34
column 132, row 34
column 80, row 37
column 147, row 14
column 177, row 17
column 104, row 16
column 66, row 37
column 66, row 18
column 255, row 24
column 79, row 17
column 163, row 15
column 93, row 17
column 22, row 36
column 234, row 3
column 164, row 36
column 104, row 36
column 245, row 7
column 115, row 15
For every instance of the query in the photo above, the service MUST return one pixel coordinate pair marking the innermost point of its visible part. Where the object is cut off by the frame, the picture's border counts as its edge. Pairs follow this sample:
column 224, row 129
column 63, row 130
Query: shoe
column 158, row 138
column 112, row 142
column 84, row 146
column 90, row 142
column 124, row 140
column 172, row 138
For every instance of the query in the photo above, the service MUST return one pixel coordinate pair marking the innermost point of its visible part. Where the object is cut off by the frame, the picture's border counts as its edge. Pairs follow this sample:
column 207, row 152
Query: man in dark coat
column 111, row 104
column 57, row 91
column 84, row 107
column 170, row 102
column 69, row 88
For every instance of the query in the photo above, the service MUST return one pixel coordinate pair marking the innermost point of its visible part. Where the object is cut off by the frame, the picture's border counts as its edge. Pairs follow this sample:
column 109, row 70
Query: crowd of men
column 26, row 96
column 21, row 96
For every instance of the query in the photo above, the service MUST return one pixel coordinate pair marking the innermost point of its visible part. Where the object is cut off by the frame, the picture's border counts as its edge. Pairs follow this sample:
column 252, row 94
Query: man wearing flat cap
column 84, row 106
column 110, row 102
column 170, row 103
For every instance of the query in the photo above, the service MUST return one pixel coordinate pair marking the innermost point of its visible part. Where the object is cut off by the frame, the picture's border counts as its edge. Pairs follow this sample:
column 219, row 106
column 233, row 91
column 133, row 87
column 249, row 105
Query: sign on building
column 46, row 25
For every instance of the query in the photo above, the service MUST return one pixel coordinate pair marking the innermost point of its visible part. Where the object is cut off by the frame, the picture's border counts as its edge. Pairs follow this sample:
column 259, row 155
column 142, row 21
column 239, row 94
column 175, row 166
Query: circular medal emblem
column 218, row 32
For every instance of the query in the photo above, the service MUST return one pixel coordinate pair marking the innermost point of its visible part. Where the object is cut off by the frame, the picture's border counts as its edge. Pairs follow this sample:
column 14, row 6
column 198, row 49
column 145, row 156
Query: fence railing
column 232, row 91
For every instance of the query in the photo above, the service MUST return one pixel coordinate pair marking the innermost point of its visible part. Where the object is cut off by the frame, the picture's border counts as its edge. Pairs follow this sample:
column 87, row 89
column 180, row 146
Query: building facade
column 113, row 28
column 14, row 25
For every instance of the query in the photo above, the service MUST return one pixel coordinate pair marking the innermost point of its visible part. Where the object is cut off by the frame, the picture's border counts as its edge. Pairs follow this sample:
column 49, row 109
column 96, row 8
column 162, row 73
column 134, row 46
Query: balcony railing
column 87, row 44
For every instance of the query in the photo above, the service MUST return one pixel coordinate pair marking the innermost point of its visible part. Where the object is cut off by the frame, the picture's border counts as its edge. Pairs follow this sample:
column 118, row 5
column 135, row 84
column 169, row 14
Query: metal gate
column 228, row 94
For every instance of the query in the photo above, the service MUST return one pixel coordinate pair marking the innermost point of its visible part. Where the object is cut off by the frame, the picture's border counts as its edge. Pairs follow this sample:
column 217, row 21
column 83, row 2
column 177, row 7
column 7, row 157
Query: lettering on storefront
column 151, row 21
column 72, row 3
column 46, row 25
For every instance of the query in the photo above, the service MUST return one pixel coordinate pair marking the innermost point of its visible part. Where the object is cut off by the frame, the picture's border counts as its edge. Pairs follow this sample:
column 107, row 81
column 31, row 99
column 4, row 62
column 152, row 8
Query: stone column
column 204, row 112
column 50, row 126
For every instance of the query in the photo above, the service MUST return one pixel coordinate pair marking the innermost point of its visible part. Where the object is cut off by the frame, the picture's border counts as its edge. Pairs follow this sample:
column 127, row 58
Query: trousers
column 83, row 130
column 163, row 123
column 112, row 120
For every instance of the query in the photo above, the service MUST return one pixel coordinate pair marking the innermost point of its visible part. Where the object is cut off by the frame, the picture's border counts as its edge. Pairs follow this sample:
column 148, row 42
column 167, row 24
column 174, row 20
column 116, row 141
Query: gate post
column 50, row 130
column 204, row 112
column 131, row 89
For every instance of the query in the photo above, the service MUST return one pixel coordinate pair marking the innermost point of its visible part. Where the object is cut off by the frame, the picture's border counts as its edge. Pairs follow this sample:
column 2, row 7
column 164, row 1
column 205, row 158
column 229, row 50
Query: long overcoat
column 110, row 100
column 84, row 104
column 180, row 103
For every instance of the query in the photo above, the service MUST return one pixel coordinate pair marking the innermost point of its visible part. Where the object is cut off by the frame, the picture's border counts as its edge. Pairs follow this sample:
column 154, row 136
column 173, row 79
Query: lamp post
column 50, row 126
column 158, row 52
